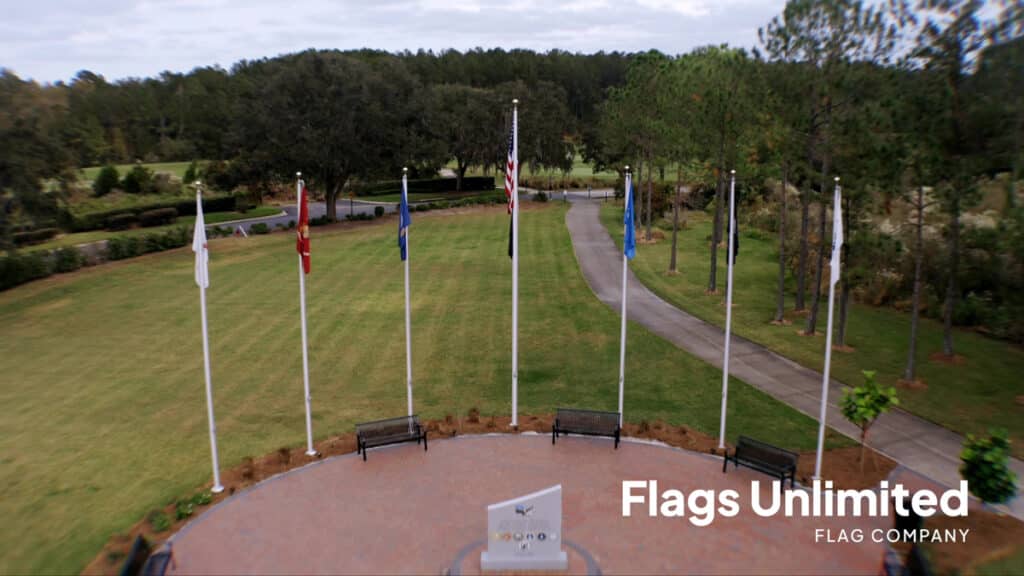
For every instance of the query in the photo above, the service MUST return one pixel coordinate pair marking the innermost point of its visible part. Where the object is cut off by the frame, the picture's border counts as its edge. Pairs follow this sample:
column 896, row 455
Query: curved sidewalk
column 918, row 444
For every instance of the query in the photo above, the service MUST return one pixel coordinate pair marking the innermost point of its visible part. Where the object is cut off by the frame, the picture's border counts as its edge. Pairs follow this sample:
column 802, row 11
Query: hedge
column 469, row 184
column 121, row 247
column 158, row 217
column 184, row 207
column 34, row 236
column 121, row 221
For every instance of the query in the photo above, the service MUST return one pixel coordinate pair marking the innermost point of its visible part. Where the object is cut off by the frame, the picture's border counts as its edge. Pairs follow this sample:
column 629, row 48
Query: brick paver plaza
column 410, row 511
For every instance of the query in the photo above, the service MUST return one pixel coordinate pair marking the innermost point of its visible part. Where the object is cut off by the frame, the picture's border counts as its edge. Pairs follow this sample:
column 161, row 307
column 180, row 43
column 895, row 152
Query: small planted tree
column 986, row 467
column 864, row 404
column 105, row 181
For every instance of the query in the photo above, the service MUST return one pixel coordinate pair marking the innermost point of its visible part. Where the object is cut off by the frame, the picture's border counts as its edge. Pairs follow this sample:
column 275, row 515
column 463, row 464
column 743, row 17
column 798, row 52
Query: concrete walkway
column 918, row 444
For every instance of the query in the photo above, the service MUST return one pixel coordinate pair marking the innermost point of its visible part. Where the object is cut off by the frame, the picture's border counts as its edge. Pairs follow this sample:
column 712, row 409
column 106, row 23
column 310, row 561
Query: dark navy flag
column 629, row 242
column 734, row 230
column 404, row 220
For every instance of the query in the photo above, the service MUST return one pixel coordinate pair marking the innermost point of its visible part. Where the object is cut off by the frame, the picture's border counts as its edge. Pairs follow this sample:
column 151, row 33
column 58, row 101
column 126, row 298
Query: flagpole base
column 217, row 489
column 312, row 453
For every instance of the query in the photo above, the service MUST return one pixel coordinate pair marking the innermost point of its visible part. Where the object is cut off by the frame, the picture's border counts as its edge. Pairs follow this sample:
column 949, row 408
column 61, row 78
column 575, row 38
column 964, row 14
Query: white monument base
column 496, row 562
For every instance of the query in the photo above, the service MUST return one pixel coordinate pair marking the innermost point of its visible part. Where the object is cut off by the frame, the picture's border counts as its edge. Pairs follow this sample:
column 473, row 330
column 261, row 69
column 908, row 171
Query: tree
column 137, row 180
column 467, row 123
column 948, row 44
column 985, row 466
column 107, row 179
column 863, row 405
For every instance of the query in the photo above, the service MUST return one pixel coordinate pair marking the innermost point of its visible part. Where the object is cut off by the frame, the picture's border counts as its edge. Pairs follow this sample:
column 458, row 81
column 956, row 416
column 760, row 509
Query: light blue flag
column 629, row 243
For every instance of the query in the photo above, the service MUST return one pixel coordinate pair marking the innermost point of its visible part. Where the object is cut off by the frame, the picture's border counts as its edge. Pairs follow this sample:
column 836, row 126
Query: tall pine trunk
column 640, row 191
column 910, row 373
column 675, row 220
column 954, row 261
column 844, row 299
column 780, row 301
column 650, row 193
column 801, row 271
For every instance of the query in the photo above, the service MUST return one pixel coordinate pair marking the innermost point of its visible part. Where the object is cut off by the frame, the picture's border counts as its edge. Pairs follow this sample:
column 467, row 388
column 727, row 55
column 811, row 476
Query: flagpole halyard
column 837, row 243
column 408, row 319
column 199, row 246
column 728, row 307
column 515, row 263
column 301, row 202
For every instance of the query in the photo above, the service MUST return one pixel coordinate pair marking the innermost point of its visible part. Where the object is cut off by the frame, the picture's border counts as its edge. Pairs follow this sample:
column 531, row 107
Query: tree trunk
column 716, row 234
column 780, row 302
column 650, row 193
column 675, row 220
column 812, row 319
column 801, row 272
column 844, row 298
column 911, row 371
column 460, row 173
column 954, row 261
column 639, row 192
column 330, row 197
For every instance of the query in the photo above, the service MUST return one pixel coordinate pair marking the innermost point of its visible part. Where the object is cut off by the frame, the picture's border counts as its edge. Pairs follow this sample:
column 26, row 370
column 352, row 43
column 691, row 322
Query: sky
column 51, row 40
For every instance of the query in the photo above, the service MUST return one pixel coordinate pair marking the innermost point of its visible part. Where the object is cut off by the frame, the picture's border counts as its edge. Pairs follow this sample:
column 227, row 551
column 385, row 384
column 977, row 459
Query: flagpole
column 310, row 451
column 515, row 264
column 217, row 487
column 625, row 269
column 408, row 320
column 728, row 307
column 828, row 355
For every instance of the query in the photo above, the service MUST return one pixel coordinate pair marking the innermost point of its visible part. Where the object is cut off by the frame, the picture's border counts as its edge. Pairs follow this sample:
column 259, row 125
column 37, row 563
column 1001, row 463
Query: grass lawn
column 97, row 235
column 174, row 168
column 105, row 413
column 1012, row 564
column 968, row 398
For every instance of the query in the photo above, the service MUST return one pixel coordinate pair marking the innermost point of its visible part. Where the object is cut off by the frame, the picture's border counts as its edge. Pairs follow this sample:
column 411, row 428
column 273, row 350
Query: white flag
column 199, row 246
column 837, row 235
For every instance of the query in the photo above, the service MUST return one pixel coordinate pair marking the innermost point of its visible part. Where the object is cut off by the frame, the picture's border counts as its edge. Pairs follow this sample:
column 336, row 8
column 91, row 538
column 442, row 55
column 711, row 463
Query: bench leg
column 424, row 441
column 725, row 463
column 554, row 434
column 364, row 453
column 616, row 439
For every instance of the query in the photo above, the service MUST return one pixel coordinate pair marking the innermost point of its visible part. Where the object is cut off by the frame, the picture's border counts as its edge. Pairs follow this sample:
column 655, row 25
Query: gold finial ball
column 627, row 167
column 733, row 172
column 404, row 170
column 837, row 178
column 515, row 101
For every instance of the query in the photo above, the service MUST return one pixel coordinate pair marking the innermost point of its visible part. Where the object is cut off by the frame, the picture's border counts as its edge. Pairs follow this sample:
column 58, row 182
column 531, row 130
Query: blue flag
column 404, row 220
column 629, row 242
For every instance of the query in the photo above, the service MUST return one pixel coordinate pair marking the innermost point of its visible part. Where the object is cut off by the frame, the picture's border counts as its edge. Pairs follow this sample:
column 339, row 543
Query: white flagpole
column 310, row 451
column 515, row 264
column 217, row 487
column 625, row 269
column 828, row 352
column 728, row 308
column 408, row 320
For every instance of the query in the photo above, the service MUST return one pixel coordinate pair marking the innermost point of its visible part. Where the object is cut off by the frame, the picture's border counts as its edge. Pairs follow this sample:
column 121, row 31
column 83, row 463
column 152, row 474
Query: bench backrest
column 588, row 419
column 748, row 448
column 389, row 427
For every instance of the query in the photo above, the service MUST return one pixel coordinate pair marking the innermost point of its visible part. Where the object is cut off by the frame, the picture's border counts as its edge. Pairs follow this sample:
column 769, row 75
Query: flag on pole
column 404, row 220
column 199, row 246
column 510, row 168
column 734, row 231
column 837, row 236
column 629, row 242
column 302, row 232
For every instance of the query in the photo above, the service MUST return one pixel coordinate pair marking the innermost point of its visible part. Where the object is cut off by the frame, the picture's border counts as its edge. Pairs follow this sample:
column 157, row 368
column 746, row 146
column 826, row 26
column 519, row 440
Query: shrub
column 105, row 181
column 291, row 224
column 157, row 217
column 18, row 268
column 66, row 259
column 121, row 221
column 34, row 236
column 202, row 499
column 259, row 228
column 164, row 184
column 185, row 207
column 121, row 247
column 159, row 521
column 221, row 176
column 183, row 509
column 985, row 466
column 540, row 197
column 378, row 211
column 865, row 403
column 319, row 221
column 191, row 173
column 137, row 180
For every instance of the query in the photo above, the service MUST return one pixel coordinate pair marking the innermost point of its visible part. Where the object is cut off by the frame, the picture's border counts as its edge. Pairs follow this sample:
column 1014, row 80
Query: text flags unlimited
column 837, row 247
column 404, row 221
column 628, row 252
column 202, row 276
column 302, row 246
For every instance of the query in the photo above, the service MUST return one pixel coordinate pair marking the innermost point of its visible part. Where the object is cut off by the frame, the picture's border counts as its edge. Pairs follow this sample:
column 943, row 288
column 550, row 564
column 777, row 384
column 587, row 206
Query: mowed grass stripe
column 105, row 408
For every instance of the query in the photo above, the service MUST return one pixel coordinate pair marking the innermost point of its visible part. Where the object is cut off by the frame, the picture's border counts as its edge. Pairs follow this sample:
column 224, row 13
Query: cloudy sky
column 51, row 40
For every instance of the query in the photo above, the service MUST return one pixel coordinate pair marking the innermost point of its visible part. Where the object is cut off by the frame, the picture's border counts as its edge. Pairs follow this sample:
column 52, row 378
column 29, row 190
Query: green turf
column 968, row 398
column 1012, row 564
column 97, row 235
column 105, row 414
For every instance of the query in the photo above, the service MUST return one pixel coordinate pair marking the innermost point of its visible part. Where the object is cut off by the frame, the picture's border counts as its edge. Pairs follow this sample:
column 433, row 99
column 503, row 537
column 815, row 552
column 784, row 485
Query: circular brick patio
column 410, row 511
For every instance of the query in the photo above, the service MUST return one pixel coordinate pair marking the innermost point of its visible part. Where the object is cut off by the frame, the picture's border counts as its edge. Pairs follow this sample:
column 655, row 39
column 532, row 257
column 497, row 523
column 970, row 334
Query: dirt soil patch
column 991, row 537
column 954, row 360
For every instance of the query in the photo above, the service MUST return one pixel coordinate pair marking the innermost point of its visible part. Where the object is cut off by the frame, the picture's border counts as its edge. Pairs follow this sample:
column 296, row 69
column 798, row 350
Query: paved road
column 316, row 209
column 920, row 445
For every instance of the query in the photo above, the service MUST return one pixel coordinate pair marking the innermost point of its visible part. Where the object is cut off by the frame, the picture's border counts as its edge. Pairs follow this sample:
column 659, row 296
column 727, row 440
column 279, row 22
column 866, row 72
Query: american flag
column 510, row 168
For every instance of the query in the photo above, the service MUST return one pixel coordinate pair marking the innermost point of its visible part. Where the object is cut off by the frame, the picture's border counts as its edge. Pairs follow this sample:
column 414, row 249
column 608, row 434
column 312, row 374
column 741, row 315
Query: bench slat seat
column 764, row 457
column 586, row 422
column 389, row 431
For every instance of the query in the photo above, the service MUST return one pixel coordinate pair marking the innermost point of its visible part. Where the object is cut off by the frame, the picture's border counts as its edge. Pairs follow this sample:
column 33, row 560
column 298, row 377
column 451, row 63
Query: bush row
column 119, row 248
column 34, row 236
column 20, row 268
column 182, row 207
column 432, row 185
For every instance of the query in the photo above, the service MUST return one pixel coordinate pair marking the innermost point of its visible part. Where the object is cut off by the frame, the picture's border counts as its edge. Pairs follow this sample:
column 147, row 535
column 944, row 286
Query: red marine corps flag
column 302, row 241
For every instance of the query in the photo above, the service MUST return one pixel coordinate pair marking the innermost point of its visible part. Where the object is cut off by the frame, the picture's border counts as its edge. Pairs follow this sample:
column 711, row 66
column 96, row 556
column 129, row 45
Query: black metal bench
column 136, row 557
column 764, row 457
column 389, row 431
column 158, row 562
column 587, row 422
